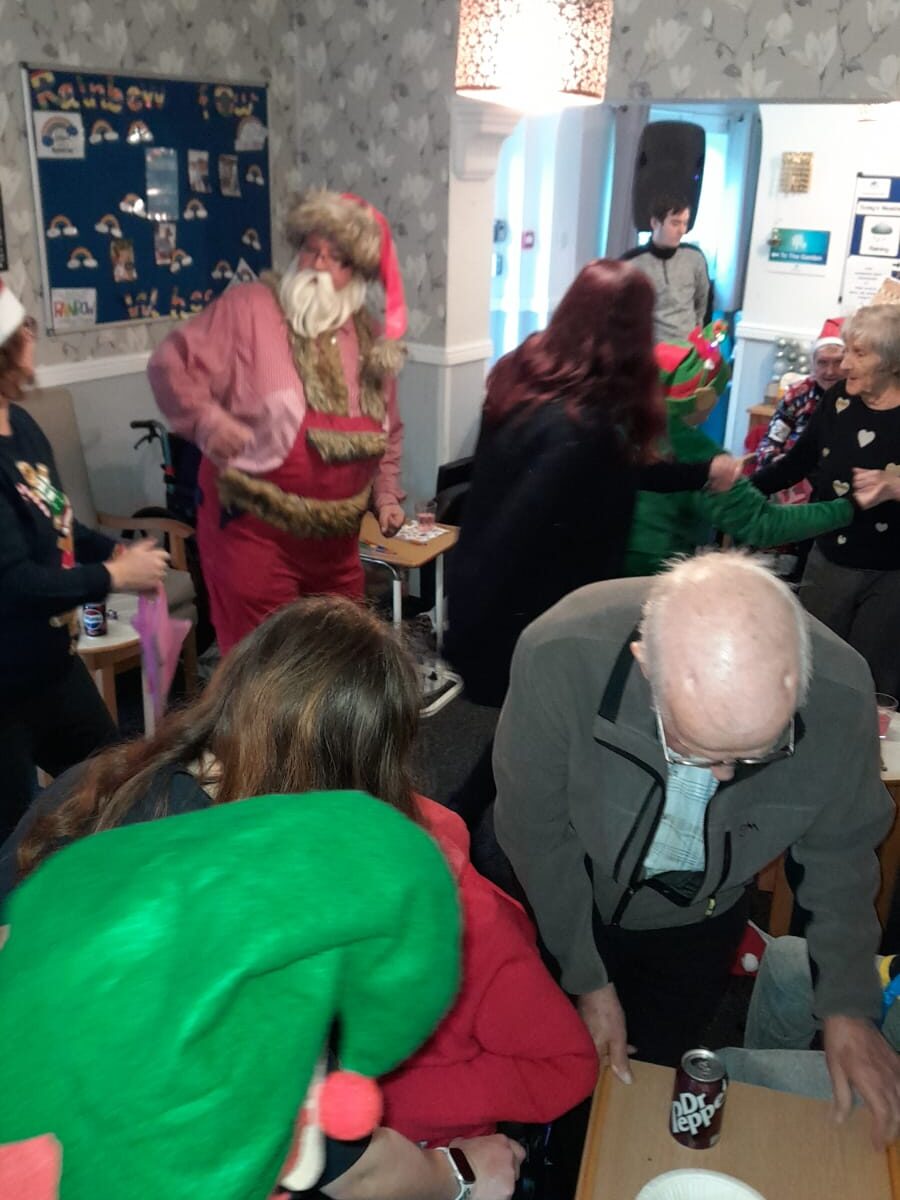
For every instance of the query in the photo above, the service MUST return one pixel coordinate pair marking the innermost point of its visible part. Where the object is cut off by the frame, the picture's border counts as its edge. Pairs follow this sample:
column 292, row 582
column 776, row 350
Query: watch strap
column 457, row 1159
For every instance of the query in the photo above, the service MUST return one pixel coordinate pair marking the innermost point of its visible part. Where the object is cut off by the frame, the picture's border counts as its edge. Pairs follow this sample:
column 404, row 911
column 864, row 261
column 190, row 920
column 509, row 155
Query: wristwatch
column 462, row 1169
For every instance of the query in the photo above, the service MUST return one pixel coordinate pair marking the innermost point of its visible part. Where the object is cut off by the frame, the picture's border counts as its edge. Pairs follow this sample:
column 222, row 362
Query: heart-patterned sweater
column 843, row 433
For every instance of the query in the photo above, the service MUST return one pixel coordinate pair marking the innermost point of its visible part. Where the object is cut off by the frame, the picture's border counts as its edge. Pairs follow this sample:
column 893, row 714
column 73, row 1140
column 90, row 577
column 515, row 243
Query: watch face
column 462, row 1165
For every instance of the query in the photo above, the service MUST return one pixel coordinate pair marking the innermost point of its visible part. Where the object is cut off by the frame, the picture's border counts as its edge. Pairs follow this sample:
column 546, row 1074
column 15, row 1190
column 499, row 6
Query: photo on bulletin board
column 145, row 191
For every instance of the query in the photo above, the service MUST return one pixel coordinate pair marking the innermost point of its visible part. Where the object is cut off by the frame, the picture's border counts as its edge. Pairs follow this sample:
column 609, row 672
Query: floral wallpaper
column 216, row 39
column 375, row 85
column 756, row 49
column 360, row 95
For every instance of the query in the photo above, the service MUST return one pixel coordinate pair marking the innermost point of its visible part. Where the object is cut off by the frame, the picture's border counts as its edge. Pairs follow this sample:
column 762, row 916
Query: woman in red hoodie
column 321, row 696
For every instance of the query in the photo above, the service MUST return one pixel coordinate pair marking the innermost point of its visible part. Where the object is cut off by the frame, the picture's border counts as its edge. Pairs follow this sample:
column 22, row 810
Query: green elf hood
column 693, row 372
column 168, row 988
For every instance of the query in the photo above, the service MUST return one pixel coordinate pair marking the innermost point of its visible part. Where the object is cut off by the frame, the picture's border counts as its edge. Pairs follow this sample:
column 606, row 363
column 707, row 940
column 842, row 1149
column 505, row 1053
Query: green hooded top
column 694, row 375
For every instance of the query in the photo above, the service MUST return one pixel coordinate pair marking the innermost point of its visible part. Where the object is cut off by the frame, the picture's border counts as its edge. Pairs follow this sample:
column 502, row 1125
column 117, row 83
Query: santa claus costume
column 288, row 388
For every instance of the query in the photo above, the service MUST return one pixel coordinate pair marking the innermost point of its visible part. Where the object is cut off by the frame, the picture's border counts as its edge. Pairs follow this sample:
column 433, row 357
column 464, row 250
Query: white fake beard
column 313, row 306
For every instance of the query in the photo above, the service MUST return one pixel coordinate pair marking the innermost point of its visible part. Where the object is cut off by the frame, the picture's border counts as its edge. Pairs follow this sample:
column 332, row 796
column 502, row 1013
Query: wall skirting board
column 63, row 374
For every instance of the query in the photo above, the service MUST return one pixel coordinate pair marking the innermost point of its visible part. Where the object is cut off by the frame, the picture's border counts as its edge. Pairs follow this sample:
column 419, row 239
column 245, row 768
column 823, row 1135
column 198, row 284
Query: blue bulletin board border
column 151, row 194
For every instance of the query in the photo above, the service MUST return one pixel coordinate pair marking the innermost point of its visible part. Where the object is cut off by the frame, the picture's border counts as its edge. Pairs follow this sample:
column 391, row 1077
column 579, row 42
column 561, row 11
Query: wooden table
column 117, row 649
column 760, row 414
column 397, row 556
column 888, row 851
column 787, row 1147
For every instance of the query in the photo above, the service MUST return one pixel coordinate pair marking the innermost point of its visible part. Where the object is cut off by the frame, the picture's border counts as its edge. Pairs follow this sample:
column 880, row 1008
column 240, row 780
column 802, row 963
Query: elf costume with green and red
column 169, row 988
column 694, row 374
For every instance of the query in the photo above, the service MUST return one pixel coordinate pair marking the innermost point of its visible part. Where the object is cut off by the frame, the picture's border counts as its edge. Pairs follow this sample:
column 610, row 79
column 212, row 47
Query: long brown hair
column 595, row 357
column 321, row 696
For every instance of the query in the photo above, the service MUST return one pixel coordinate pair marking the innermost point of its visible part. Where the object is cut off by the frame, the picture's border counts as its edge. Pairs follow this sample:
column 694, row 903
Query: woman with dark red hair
column 568, row 436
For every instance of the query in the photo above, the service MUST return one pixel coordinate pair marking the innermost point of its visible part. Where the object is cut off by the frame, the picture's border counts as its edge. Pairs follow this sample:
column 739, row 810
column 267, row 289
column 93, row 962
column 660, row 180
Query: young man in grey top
column 676, row 269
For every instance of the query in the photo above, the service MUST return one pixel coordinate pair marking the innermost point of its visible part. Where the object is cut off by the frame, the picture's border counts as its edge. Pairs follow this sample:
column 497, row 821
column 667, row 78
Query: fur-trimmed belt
column 298, row 515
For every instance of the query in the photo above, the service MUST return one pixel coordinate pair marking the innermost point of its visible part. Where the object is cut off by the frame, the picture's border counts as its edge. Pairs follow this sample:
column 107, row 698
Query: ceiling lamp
column 533, row 55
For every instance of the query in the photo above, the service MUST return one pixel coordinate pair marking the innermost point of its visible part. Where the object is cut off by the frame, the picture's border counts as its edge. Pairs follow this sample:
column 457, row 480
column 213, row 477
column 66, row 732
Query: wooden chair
column 54, row 411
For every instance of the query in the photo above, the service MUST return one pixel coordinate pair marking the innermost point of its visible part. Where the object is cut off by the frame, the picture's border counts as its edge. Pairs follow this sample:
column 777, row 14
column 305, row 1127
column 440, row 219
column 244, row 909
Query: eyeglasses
column 324, row 253
column 673, row 758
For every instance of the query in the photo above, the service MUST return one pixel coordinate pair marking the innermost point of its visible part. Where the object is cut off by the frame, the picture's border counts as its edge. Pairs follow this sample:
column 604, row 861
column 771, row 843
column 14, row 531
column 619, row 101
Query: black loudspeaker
column 669, row 162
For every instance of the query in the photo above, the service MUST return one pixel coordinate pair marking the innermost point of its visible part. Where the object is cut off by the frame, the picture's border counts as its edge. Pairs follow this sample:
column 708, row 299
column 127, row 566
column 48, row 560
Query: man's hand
column 859, row 1057
column 602, row 1013
column 140, row 567
column 229, row 439
column 724, row 472
column 390, row 517
column 496, row 1161
column 874, row 487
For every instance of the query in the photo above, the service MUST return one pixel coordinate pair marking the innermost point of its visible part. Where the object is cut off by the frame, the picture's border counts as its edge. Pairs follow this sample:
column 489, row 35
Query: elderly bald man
column 661, row 742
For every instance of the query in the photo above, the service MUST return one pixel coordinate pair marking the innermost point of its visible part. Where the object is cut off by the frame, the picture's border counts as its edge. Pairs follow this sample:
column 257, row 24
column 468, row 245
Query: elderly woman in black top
column 852, row 446
column 51, row 715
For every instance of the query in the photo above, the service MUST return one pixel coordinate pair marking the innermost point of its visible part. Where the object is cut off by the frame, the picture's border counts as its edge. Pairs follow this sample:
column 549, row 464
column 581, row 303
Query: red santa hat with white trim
column 830, row 335
column 362, row 235
column 12, row 313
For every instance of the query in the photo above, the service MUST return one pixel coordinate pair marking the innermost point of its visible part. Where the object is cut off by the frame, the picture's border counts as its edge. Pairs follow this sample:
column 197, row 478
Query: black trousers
column 670, row 983
column 53, row 728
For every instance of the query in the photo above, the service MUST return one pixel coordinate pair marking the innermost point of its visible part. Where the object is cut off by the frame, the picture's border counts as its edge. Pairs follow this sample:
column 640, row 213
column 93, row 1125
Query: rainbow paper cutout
column 130, row 203
column 200, row 299
column 39, row 78
column 138, row 131
column 222, row 270
column 102, row 131
column 255, row 175
column 58, row 129
column 251, row 238
column 180, row 258
column 194, row 208
column 109, row 223
column 81, row 257
column 61, row 225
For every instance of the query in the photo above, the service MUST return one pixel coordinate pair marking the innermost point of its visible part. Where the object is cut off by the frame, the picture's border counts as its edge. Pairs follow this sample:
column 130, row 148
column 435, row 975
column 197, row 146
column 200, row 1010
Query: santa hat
column 12, row 313
column 693, row 372
column 169, row 987
column 362, row 235
column 830, row 335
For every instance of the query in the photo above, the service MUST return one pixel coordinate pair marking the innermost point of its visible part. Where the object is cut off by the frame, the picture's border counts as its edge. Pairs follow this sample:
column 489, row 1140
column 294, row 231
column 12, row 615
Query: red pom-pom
column 349, row 1105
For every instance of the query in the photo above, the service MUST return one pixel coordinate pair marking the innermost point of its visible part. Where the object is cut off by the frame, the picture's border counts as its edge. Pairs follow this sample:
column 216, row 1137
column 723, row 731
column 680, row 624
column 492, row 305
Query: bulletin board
column 152, row 195
column 874, row 251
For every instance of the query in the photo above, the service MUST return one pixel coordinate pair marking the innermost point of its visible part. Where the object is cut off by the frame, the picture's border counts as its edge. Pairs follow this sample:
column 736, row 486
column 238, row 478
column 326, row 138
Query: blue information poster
column 874, row 253
column 809, row 246
column 152, row 195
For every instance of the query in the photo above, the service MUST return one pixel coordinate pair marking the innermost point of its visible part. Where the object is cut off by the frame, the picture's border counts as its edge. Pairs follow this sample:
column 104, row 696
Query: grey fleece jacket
column 682, row 288
column 580, row 775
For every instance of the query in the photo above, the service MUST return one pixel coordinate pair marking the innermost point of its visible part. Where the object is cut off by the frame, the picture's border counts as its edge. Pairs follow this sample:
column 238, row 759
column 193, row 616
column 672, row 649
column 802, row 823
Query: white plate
column 696, row 1185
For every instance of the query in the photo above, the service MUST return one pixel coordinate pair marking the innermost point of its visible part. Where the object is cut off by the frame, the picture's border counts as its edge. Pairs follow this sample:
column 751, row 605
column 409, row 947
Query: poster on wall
column 874, row 251
column 809, row 246
column 142, row 189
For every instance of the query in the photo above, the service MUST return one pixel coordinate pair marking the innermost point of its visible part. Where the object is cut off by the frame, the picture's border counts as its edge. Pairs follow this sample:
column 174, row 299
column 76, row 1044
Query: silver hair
column 703, row 568
column 877, row 328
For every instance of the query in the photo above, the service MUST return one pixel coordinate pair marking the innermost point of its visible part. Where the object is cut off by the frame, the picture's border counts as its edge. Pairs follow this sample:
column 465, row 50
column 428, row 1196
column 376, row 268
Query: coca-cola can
column 701, row 1085
column 93, row 618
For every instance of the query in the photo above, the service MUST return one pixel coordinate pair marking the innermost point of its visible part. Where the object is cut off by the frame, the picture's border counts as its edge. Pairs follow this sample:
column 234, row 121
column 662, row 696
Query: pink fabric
column 395, row 315
column 161, row 641
column 233, row 362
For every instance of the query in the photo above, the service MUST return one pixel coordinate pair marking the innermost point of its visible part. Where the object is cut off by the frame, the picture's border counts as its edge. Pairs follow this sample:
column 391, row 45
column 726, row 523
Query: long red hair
column 595, row 357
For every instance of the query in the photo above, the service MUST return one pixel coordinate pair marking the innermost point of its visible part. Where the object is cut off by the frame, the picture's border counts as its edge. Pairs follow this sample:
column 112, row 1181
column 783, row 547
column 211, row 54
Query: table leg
column 397, row 595
column 439, row 602
column 149, row 711
column 105, row 679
